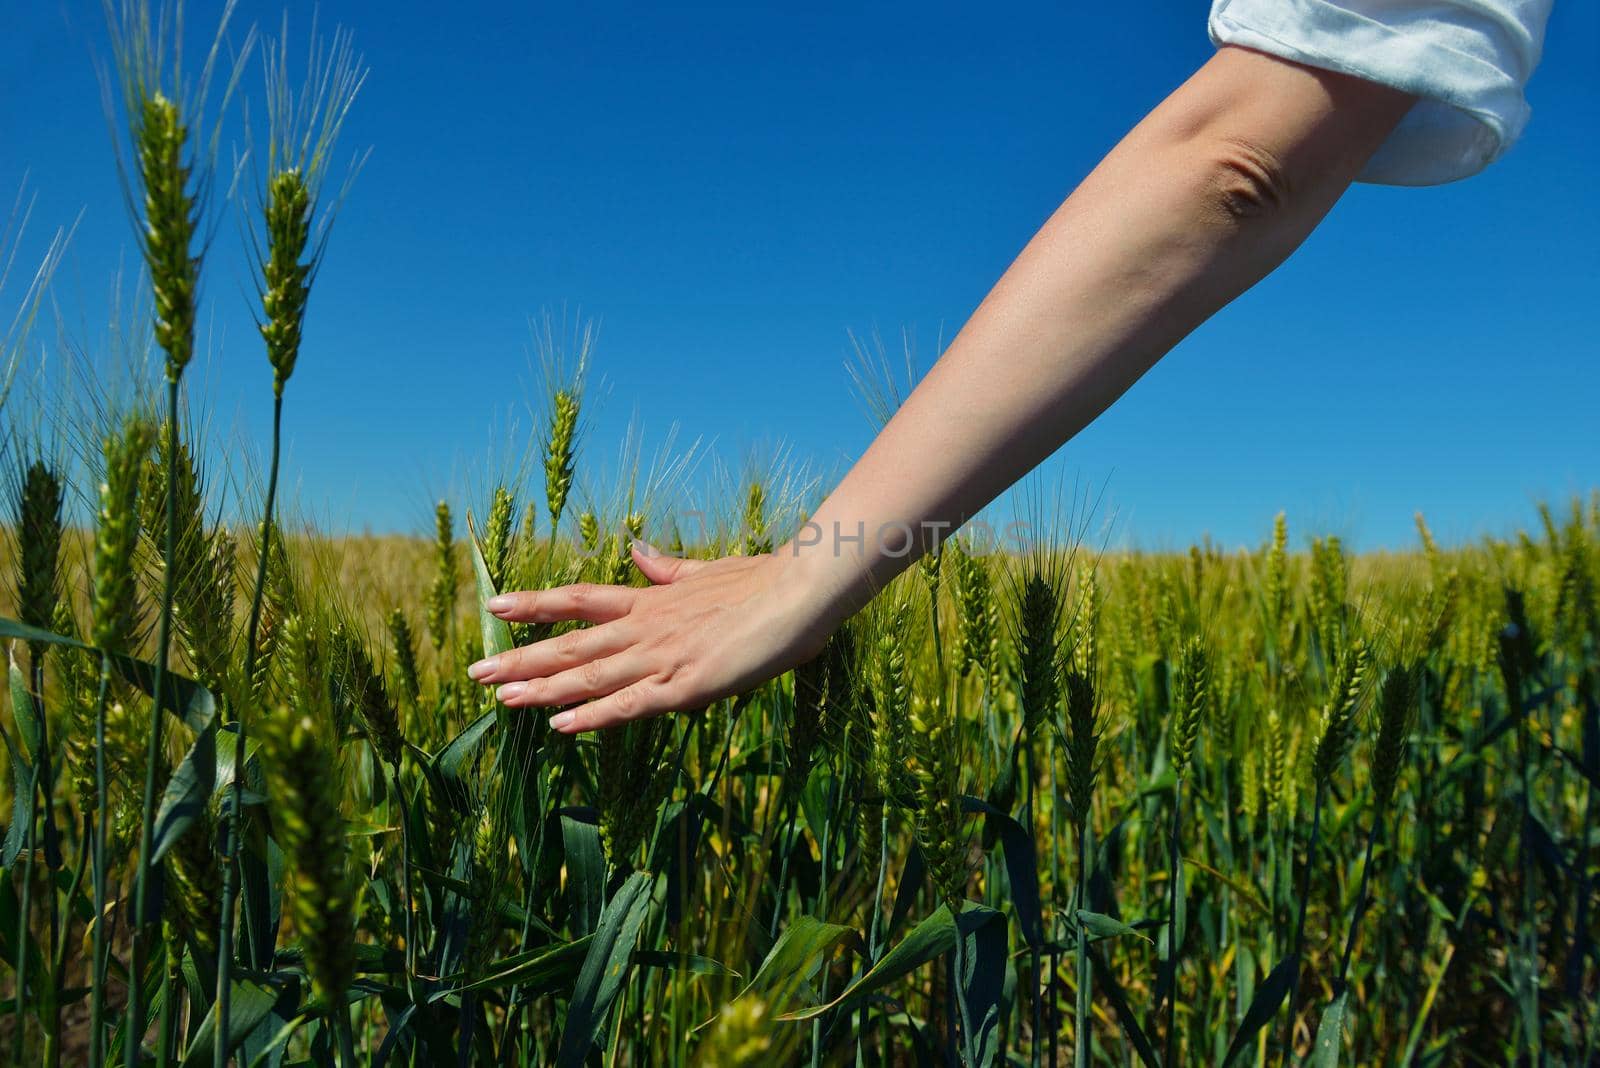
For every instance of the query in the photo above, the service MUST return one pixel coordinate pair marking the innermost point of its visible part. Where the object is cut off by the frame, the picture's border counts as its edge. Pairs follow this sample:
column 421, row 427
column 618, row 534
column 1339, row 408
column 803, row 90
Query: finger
column 597, row 678
column 552, row 655
column 662, row 568
column 587, row 602
column 646, row 697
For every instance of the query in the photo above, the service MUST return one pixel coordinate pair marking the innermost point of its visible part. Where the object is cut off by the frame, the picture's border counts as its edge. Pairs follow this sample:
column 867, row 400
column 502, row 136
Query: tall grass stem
column 234, row 810
column 133, row 1029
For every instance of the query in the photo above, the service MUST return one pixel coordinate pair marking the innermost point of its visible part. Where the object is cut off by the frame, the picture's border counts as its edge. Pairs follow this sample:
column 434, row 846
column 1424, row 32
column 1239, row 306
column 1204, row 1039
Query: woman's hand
column 703, row 630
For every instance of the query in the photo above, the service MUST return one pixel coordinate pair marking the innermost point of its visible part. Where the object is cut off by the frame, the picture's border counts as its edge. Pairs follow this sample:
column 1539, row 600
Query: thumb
column 662, row 568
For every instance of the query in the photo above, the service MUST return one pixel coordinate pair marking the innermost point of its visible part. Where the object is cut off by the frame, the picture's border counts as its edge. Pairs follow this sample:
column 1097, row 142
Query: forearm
column 1201, row 200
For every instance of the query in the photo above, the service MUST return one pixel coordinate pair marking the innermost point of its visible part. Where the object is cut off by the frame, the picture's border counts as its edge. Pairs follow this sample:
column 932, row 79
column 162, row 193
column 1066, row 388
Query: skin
column 1201, row 200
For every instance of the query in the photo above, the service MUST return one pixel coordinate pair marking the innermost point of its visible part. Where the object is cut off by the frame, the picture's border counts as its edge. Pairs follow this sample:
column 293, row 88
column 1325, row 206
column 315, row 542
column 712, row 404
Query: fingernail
column 510, row 690
column 481, row 670
column 644, row 548
column 500, row 602
column 561, row 721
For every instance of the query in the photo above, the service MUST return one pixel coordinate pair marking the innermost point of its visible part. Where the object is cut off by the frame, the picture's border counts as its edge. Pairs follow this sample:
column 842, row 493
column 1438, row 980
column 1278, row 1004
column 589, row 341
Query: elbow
column 1243, row 181
column 1268, row 138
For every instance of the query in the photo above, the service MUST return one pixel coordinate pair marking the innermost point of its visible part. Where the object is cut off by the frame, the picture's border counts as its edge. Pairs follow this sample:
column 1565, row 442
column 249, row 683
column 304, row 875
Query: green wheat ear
column 589, row 531
column 892, row 701
column 1277, row 578
column 1189, row 703
column 757, row 535
column 367, row 696
column 277, row 605
column 202, row 563
column 1397, row 702
column 75, row 677
column 442, row 594
column 940, row 824
column 1276, row 773
column 286, row 274
column 171, row 217
column 1250, row 785
column 1038, row 647
column 1575, row 614
column 1221, row 706
column 487, row 870
column 978, row 626
column 405, row 654
column 633, row 783
column 560, row 453
column 1329, row 586
column 1298, row 763
column 1086, row 624
column 1430, row 548
column 886, row 704
column 497, row 536
column 305, row 671
column 39, row 529
column 622, row 569
column 1083, row 741
column 1338, row 717
column 1436, row 620
column 115, row 586
column 303, row 782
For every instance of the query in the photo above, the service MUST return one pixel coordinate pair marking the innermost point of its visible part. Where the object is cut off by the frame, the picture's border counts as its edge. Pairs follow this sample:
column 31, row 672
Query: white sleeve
column 1467, row 60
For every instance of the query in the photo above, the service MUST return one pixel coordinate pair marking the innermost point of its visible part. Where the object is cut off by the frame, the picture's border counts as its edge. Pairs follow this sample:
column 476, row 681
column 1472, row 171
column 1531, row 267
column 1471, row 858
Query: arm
column 1199, row 202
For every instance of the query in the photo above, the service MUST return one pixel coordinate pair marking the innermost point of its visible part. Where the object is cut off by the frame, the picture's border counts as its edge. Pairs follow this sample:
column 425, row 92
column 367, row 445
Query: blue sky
column 730, row 189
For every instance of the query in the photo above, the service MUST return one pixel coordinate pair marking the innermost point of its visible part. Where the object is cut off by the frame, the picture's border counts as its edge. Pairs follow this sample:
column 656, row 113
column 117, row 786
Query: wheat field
column 1044, row 805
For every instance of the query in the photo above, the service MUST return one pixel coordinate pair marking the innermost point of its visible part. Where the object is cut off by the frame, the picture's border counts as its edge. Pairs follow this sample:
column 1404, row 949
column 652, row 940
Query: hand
column 703, row 630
